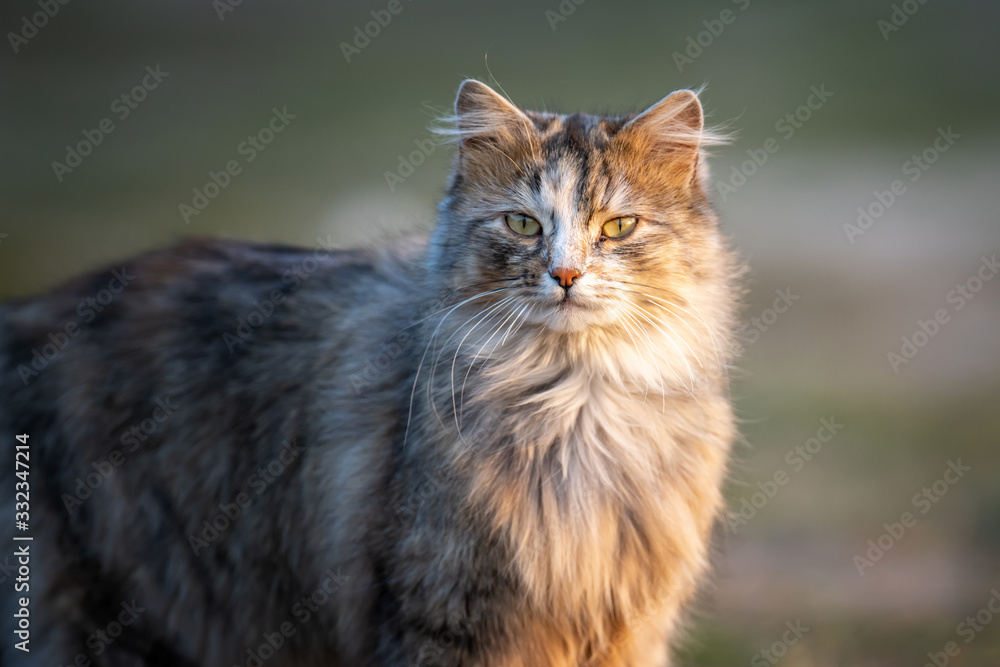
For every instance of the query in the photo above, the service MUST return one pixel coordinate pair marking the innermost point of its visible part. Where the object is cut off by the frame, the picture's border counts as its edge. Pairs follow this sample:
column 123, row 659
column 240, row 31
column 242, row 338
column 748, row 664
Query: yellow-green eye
column 619, row 227
column 523, row 224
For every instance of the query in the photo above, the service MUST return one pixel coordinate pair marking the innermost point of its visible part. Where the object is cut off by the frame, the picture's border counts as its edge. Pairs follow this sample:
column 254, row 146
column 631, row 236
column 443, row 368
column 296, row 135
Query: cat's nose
column 565, row 276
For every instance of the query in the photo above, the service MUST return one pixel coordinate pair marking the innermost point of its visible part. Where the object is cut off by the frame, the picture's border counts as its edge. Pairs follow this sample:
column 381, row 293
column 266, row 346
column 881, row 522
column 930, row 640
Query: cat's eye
column 523, row 224
column 619, row 227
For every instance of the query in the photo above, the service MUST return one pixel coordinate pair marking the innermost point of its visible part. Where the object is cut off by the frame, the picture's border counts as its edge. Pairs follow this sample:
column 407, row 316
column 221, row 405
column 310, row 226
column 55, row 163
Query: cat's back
column 245, row 336
column 201, row 309
column 160, row 389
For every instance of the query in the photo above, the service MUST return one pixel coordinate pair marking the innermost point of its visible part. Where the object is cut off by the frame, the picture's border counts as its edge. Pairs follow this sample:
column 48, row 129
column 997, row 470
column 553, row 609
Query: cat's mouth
column 572, row 304
column 569, row 302
column 571, row 313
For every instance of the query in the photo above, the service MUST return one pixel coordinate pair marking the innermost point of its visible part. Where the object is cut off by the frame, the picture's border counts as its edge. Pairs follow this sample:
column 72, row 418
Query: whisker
column 482, row 314
column 625, row 316
column 504, row 340
column 454, row 407
column 416, row 377
column 667, row 304
column 670, row 293
column 479, row 352
column 642, row 312
column 457, row 289
column 674, row 332
column 639, row 354
column 649, row 346
column 635, row 311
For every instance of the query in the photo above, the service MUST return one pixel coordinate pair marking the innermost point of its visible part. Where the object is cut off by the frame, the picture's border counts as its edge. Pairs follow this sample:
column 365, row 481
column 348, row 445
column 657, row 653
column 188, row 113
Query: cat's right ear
column 484, row 116
column 671, row 135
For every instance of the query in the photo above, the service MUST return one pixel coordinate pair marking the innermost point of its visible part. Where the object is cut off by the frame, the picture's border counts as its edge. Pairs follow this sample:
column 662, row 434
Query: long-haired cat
column 502, row 447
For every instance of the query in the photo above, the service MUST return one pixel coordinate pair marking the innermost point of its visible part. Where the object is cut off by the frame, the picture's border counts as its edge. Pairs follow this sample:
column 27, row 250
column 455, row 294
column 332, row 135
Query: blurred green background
column 826, row 357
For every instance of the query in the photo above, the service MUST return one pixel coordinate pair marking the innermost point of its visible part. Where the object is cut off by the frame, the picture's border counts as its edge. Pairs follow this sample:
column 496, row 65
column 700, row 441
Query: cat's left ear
column 671, row 134
column 494, row 136
column 482, row 113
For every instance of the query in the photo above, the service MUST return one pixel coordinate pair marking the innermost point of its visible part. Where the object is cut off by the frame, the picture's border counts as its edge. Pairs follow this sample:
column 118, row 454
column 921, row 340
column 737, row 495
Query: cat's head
column 581, row 221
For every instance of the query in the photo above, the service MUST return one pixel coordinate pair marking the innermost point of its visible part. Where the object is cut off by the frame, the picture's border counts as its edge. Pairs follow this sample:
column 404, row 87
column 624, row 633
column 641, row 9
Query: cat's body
column 458, row 467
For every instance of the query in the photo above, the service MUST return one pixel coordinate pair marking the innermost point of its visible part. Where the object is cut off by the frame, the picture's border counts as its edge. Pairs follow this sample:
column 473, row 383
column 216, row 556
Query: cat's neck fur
column 577, row 447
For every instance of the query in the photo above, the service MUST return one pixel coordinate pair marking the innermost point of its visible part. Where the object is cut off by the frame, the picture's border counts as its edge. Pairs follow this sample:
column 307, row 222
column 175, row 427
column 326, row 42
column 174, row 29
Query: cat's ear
column 671, row 135
column 484, row 116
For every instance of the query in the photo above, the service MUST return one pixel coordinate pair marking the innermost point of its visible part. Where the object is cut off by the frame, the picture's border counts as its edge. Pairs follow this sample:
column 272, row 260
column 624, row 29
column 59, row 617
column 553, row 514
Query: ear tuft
column 677, row 119
column 482, row 112
column 475, row 96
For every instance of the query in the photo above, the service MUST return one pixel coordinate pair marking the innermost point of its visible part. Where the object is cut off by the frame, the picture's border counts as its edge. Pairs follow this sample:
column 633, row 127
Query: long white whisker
column 711, row 334
column 667, row 304
column 454, row 407
column 471, row 366
column 416, row 377
column 444, row 308
column 649, row 345
column 481, row 313
column 636, row 346
column 690, row 389
column 650, row 317
column 483, row 347
column 479, row 316
column 642, row 313
column 509, row 332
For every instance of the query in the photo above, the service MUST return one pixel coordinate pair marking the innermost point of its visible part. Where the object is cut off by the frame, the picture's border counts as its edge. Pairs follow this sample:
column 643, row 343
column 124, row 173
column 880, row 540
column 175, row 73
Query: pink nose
column 565, row 276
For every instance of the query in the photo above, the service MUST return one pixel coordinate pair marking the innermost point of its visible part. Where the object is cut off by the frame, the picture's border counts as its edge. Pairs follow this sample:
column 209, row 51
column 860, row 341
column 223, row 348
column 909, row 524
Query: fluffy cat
column 501, row 447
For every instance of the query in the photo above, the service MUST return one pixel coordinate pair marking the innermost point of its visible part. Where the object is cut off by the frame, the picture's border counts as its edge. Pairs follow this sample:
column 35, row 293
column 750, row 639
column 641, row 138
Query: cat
column 499, row 446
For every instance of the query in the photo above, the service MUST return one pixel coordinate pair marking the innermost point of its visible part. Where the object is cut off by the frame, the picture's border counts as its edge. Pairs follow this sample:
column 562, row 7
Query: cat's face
column 580, row 221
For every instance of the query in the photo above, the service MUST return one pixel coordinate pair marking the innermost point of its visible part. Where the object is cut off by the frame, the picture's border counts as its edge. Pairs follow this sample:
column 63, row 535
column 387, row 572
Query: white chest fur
column 590, row 477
